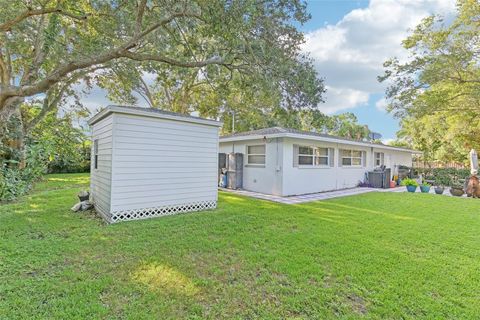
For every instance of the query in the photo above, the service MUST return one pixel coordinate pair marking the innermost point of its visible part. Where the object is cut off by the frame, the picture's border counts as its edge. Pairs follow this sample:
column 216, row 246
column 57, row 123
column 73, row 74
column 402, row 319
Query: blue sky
column 349, row 41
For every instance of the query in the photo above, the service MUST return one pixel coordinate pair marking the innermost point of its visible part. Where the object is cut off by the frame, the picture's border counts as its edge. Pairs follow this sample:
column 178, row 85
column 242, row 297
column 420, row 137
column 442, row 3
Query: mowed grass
column 376, row 255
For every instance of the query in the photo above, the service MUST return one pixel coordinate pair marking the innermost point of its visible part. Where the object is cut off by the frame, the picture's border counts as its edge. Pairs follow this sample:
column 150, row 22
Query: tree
column 47, row 46
column 436, row 92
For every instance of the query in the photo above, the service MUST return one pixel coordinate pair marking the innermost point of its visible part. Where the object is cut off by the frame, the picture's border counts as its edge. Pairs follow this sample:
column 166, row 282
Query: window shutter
column 331, row 155
column 295, row 155
column 364, row 158
column 340, row 157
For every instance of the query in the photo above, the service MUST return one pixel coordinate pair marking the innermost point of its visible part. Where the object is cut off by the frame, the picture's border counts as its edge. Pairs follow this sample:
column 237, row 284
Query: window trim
column 314, row 156
column 351, row 157
column 257, row 154
column 95, row 154
column 382, row 159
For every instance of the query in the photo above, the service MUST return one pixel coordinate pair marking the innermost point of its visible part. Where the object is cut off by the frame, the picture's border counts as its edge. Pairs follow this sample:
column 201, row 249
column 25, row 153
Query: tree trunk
column 10, row 111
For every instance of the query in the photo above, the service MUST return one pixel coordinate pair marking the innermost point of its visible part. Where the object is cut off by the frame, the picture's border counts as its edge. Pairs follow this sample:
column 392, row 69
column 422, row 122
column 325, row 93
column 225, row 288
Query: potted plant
column 456, row 188
column 410, row 184
column 440, row 182
column 425, row 187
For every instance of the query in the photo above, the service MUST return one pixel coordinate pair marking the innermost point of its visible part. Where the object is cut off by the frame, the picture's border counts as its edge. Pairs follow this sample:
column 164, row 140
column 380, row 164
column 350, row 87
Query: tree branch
column 115, row 53
column 140, row 12
column 174, row 62
column 7, row 26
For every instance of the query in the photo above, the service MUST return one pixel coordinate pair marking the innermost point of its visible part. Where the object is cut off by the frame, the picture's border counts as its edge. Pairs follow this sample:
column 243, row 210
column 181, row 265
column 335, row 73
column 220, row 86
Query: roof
column 151, row 112
column 294, row 133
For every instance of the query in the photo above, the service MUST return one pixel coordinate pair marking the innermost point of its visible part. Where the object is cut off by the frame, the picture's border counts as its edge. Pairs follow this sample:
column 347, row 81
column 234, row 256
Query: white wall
column 160, row 162
column 100, row 178
column 264, row 179
column 304, row 179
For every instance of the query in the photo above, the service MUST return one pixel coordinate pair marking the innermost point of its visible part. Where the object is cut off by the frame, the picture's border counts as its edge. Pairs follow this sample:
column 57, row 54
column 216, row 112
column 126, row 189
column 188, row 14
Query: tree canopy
column 436, row 92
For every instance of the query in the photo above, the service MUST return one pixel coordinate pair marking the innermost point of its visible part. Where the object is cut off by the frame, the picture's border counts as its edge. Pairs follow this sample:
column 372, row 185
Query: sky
column 349, row 40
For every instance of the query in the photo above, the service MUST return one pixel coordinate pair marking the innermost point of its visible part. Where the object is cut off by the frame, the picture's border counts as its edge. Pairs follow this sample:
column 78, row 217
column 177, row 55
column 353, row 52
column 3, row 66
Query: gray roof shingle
column 279, row 130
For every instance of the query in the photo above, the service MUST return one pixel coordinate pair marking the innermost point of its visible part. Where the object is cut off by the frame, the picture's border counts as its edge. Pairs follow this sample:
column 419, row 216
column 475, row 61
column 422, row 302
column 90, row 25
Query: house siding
column 161, row 162
column 264, row 179
column 281, row 177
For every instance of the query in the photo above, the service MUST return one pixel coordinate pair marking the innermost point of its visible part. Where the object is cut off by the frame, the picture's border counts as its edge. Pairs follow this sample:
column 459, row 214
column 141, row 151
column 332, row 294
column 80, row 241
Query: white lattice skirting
column 136, row 214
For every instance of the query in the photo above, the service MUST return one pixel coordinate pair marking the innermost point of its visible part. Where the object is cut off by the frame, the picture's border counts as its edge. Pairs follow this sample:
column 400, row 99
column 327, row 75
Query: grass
column 376, row 255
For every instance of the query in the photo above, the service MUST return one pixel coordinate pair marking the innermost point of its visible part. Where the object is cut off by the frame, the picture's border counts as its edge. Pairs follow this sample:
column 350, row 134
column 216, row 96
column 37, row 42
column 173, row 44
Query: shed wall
column 162, row 163
column 100, row 178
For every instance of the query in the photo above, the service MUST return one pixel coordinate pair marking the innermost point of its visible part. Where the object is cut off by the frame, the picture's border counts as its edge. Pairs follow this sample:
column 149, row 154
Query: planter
column 456, row 191
column 425, row 189
column 439, row 190
column 411, row 188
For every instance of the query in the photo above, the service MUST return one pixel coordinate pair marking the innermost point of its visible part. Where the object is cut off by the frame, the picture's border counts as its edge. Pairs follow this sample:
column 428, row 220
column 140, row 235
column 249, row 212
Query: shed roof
column 151, row 112
column 294, row 133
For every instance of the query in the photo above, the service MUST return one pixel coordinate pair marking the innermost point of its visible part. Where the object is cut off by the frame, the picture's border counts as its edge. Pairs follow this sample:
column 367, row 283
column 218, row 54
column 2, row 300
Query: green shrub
column 15, row 182
column 409, row 182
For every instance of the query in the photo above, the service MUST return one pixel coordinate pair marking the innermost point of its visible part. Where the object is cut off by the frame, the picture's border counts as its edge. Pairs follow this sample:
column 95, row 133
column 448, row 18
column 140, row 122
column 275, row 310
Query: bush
column 15, row 182
column 409, row 182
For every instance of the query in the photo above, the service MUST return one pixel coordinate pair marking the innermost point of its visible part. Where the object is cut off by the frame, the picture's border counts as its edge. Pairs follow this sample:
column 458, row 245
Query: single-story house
column 286, row 162
column 149, row 162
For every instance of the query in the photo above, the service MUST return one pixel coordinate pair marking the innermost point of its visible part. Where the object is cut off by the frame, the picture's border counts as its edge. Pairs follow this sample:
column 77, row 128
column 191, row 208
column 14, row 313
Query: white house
column 287, row 162
column 148, row 162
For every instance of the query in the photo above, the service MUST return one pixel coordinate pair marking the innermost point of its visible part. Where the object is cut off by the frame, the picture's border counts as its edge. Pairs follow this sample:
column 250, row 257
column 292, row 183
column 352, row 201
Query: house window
column 379, row 159
column 351, row 158
column 95, row 154
column 313, row 156
column 256, row 154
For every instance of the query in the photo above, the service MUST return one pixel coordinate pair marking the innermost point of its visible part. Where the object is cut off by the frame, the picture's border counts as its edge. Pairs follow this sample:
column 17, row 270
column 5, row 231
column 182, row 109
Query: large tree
column 46, row 46
column 436, row 92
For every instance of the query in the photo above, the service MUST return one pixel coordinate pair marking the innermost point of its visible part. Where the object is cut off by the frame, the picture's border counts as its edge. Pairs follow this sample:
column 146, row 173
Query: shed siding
column 161, row 162
column 100, row 182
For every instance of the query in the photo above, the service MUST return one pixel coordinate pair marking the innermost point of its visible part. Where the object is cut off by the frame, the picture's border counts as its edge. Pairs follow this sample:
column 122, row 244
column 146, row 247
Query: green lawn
column 375, row 255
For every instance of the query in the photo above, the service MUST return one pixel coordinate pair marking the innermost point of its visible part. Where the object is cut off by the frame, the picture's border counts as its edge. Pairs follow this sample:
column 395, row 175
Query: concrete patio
column 322, row 195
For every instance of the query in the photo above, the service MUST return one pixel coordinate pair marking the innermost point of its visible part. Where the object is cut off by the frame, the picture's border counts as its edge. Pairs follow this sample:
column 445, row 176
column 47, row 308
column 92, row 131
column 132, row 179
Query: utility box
column 379, row 179
column 235, row 171
column 222, row 163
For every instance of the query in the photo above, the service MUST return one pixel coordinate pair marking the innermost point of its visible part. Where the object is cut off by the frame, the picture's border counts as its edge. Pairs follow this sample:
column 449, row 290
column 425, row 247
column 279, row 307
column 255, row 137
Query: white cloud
column 381, row 104
column 343, row 98
column 350, row 53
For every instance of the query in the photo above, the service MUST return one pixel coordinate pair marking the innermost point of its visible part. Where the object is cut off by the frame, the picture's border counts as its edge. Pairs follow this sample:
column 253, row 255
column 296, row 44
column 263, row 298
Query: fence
column 419, row 164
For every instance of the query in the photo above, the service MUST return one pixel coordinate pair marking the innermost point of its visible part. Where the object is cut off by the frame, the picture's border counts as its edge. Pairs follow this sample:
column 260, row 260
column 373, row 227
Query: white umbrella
column 473, row 162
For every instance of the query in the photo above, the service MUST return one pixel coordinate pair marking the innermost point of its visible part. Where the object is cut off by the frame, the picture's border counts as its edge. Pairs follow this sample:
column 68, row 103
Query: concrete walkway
column 322, row 195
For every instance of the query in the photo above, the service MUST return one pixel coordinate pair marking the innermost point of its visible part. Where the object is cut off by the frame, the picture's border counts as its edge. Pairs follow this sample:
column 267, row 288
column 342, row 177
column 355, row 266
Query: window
column 379, row 159
column 256, row 154
column 351, row 158
column 95, row 154
column 313, row 156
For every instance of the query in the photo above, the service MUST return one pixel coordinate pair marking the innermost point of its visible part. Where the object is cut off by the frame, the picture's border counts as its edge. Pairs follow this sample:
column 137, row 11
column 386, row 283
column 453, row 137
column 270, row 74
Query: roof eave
column 316, row 138
column 115, row 109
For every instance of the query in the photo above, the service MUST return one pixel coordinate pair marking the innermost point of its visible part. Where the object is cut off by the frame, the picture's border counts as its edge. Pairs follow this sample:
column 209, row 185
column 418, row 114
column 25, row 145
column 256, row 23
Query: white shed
column 148, row 163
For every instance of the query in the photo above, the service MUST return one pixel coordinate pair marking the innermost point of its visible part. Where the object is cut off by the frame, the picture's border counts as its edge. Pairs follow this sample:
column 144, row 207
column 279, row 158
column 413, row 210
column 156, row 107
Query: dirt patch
column 357, row 303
